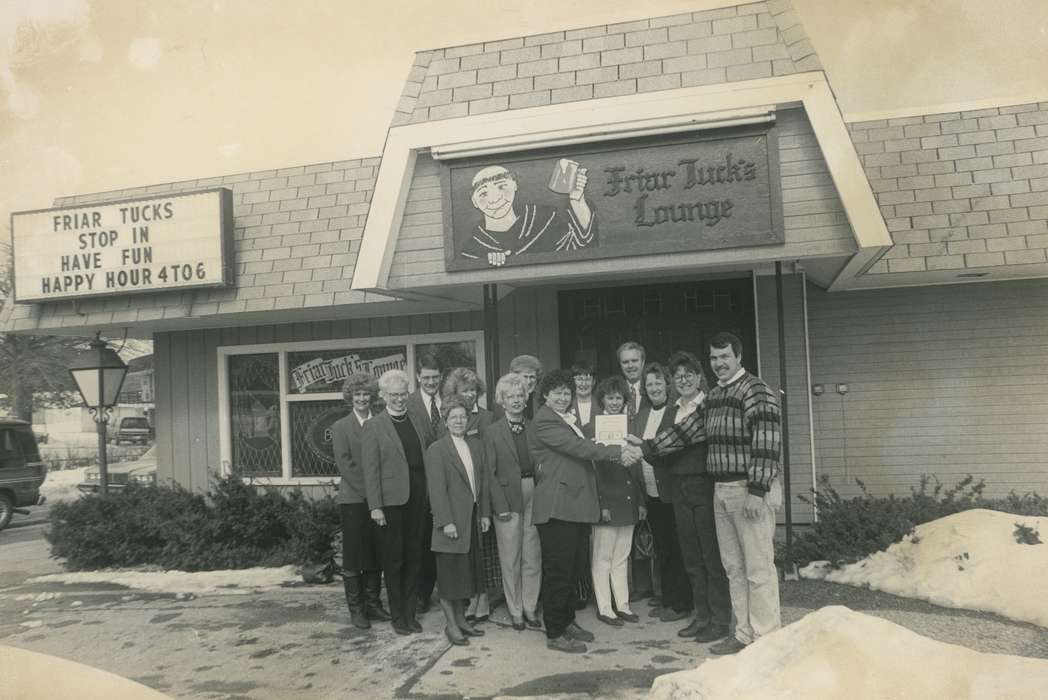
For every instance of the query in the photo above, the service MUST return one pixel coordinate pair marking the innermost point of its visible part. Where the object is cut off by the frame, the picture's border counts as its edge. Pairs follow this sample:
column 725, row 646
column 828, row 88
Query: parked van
column 21, row 469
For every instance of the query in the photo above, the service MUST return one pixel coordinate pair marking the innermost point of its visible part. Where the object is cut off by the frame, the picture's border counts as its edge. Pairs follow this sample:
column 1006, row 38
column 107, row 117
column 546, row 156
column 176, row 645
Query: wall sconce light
column 818, row 389
column 842, row 389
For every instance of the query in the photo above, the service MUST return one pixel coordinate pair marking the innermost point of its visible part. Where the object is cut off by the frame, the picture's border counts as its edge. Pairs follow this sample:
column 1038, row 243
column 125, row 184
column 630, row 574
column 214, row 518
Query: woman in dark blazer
column 621, row 505
column 393, row 448
column 464, row 383
column 456, row 476
column 565, row 505
column 362, row 574
column 512, row 491
column 583, row 405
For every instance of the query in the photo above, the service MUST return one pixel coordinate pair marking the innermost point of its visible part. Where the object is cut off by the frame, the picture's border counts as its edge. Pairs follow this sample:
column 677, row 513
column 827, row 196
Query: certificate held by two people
column 611, row 430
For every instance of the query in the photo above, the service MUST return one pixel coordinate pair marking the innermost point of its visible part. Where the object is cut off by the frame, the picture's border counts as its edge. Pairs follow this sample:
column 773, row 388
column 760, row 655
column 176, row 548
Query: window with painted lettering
column 282, row 399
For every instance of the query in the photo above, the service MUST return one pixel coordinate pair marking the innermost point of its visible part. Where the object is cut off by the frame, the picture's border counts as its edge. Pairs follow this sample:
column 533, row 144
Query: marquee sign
column 701, row 191
column 180, row 241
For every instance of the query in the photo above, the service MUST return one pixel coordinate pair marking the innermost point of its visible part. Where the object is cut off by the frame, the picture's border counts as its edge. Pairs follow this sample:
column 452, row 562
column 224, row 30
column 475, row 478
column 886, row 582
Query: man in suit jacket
column 424, row 406
column 393, row 447
column 565, row 505
column 631, row 361
column 362, row 574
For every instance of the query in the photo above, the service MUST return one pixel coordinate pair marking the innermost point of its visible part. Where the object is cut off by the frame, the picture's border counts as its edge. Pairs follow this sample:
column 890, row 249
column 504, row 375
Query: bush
column 852, row 529
column 237, row 525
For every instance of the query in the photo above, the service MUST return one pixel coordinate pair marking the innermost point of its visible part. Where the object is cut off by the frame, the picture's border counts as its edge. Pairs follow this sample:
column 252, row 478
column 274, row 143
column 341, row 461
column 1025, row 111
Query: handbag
column 643, row 541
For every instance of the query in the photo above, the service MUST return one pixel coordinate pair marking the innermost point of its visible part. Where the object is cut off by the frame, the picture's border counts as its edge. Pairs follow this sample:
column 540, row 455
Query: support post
column 103, row 457
column 491, row 338
column 786, row 496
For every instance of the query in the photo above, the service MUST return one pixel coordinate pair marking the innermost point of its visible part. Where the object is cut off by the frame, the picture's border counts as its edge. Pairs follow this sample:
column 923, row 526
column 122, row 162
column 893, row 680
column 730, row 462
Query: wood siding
column 796, row 379
column 813, row 220
column 944, row 380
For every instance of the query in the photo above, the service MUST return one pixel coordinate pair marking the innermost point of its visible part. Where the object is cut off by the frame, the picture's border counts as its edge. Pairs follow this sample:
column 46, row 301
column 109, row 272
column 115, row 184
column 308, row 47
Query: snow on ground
column 967, row 560
column 230, row 582
column 60, row 485
column 836, row 653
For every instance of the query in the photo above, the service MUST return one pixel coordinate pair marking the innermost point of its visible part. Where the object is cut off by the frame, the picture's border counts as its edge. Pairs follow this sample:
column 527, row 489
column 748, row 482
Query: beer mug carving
column 562, row 179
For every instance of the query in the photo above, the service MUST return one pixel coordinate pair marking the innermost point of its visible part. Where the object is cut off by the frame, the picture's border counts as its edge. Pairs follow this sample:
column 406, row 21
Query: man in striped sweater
column 740, row 423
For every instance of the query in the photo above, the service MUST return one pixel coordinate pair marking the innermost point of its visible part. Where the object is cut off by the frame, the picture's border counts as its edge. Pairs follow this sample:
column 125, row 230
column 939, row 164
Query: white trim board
column 620, row 115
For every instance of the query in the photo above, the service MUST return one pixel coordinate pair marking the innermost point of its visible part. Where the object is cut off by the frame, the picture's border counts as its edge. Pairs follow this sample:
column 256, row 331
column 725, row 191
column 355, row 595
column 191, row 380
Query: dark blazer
column 450, row 496
column 567, row 479
column 586, row 427
column 620, row 489
column 664, row 478
column 385, row 464
column 346, row 435
column 417, row 405
column 478, row 423
column 640, row 390
column 501, row 455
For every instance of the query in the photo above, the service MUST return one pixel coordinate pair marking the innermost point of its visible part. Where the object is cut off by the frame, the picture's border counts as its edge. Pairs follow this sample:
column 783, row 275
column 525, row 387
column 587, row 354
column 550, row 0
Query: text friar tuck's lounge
column 559, row 194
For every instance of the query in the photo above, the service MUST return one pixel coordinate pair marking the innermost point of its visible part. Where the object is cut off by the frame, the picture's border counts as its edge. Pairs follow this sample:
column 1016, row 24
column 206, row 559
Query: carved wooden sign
column 704, row 191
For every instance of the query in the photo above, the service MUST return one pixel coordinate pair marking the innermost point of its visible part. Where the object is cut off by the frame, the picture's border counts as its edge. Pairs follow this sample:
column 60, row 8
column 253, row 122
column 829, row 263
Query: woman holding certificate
column 621, row 494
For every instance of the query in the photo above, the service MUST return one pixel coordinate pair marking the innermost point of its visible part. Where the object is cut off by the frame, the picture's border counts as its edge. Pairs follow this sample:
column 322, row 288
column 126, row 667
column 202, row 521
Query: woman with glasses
column 464, row 383
column 392, row 451
column 693, row 511
column 659, row 488
column 582, row 406
column 457, row 476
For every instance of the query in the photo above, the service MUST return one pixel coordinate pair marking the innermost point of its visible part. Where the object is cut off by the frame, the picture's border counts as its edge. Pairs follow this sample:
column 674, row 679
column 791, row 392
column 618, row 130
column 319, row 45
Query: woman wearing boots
column 362, row 577
column 456, row 477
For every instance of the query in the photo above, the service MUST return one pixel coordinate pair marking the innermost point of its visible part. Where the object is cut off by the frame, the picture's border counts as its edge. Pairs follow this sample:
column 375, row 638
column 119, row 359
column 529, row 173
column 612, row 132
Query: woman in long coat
column 456, row 476
column 464, row 383
column 362, row 574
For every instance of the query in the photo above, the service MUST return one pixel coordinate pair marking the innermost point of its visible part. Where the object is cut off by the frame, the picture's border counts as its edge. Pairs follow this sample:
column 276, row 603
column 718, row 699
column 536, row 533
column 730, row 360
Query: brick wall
column 961, row 189
column 743, row 42
column 296, row 237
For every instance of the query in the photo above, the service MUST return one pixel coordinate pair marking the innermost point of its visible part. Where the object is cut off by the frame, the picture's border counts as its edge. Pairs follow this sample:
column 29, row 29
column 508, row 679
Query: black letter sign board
column 700, row 191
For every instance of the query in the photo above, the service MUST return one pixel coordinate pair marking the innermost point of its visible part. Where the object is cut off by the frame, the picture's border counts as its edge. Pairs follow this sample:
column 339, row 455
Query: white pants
column 748, row 554
column 610, row 567
column 520, row 557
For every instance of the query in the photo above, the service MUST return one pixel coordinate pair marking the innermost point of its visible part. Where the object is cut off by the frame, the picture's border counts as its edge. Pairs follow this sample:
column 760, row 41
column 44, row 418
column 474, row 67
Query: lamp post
column 99, row 373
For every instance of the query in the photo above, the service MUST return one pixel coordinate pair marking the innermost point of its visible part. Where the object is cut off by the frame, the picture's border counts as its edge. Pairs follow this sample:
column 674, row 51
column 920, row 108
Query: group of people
column 437, row 490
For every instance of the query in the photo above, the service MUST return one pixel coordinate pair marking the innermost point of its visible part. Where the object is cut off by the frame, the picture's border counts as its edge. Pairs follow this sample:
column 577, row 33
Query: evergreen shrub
column 850, row 529
column 236, row 525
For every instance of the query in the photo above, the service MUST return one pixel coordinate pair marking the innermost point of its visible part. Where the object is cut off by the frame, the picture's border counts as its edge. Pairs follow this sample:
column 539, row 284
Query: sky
column 98, row 95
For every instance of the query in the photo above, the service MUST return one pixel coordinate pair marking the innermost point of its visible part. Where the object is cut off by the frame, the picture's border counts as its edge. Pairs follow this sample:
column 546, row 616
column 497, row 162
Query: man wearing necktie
column 424, row 404
column 631, row 361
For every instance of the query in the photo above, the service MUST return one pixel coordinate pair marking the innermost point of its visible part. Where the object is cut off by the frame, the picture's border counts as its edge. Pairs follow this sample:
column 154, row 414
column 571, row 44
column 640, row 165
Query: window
column 280, row 400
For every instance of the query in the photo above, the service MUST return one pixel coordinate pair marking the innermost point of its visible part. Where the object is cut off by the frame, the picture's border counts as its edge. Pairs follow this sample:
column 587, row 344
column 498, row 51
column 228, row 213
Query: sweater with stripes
column 741, row 425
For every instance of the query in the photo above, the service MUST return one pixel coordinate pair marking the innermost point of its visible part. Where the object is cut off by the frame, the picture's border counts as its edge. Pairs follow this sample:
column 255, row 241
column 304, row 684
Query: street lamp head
column 99, row 374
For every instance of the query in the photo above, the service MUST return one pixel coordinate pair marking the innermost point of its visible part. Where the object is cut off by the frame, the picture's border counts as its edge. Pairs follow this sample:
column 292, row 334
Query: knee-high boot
column 355, row 601
column 373, row 596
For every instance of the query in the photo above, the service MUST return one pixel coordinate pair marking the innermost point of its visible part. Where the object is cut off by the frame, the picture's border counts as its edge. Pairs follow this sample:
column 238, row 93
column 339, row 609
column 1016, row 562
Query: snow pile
column 230, row 582
column 836, row 653
column 60, row 485
column 29, row 674
column 966, row 560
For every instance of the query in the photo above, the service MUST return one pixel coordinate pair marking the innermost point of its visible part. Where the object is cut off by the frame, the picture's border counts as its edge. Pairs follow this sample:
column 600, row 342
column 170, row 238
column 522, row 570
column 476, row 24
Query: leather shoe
column 731, row 645
column 471, row 631
column 414, row 626
column 613, row 621
column 519, row 625
column 627, row 616
column 692, row 629
column 458, row 641
column 711, row 633
column 655, row 612
column 566, row 644
column 575, row 632
column 400, row 629
column 655, row 602
column 533, row 622
column 671, row 615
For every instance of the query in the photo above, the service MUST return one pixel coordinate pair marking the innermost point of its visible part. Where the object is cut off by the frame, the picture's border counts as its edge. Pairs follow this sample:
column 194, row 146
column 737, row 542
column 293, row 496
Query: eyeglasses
column 684, row 376
column 396, row 394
